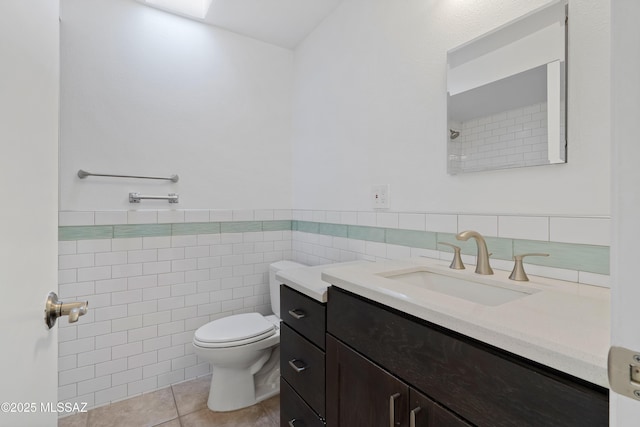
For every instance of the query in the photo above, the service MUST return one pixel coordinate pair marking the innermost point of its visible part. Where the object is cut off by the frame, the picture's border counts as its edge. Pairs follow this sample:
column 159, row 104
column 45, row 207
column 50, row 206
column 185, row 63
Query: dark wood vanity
column 387, row 368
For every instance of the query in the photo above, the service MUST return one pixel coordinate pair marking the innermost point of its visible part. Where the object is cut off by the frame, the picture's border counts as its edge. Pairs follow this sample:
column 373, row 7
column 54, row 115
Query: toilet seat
column 236, row 330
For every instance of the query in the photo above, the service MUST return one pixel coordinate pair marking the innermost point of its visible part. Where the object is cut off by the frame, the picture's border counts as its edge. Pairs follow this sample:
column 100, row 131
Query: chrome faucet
column 482, row 264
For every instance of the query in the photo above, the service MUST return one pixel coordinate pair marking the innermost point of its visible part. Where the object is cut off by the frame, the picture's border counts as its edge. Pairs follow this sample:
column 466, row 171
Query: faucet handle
column 518, row 272
column 456, row 263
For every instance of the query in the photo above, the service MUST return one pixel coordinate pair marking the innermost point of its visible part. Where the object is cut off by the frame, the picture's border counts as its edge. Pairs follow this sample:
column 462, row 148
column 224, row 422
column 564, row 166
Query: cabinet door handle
column 297, row 365
column 392, row 409
column 292, row 422
column 412, row 416
column 297, row 314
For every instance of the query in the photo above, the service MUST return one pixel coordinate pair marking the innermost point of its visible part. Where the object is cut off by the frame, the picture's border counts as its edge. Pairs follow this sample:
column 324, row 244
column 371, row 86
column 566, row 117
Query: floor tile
column 272, row 407
column 76, row 420
column 254, row 416
column 192, row 395
column 147, row 410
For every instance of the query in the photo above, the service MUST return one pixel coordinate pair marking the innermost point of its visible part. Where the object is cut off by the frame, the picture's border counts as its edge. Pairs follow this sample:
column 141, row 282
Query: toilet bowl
column 244, row 352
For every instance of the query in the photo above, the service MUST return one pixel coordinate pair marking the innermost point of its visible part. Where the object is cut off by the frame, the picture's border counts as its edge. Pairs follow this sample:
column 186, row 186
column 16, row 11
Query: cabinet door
column 361, row 394
column 424, row 412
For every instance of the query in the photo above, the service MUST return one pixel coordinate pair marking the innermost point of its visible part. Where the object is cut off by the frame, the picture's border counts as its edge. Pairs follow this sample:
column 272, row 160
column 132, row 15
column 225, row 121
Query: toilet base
column 233, row 389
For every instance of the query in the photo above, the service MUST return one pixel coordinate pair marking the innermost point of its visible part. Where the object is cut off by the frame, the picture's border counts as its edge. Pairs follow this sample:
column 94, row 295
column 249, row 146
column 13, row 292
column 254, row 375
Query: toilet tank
column 274, row 285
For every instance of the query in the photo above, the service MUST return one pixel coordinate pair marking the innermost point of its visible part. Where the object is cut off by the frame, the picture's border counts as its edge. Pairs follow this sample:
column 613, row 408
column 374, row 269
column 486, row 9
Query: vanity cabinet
column 375, row 352
column 364, row 394
column 302, row 360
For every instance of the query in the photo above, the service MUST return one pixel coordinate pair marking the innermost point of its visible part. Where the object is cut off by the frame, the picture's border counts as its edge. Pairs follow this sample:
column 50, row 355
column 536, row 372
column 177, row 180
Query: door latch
column 624, row 372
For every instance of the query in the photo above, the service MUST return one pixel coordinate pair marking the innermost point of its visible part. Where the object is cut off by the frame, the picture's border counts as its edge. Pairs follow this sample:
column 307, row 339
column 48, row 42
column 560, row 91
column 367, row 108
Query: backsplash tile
column 150, row 285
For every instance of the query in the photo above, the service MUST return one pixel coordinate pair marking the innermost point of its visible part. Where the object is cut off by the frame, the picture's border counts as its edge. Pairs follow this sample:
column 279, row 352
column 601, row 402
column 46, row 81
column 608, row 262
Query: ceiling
column 281, row 22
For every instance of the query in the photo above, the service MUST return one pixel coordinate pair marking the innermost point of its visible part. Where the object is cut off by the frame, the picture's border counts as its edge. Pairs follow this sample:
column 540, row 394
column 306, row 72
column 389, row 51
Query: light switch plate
column 380, row 196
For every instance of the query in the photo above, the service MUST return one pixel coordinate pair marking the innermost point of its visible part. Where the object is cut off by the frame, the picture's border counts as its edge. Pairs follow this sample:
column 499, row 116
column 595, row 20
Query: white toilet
column 244, row 352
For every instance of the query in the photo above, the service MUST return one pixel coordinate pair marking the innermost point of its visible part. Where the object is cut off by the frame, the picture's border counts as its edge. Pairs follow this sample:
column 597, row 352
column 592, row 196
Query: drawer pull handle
column 392, row 409
column 292, row 423
column 298, row 314
column 412, row 416
column 297, row 365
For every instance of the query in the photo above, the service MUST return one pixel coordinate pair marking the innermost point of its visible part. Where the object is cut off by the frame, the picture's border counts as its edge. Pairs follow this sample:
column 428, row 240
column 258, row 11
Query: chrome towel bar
column 83, row 174
column 136, row 197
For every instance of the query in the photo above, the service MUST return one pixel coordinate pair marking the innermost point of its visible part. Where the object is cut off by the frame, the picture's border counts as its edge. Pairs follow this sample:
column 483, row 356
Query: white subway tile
column 156, row 293
column 94, row 273
column 141, row 256
column 126, row 323
column 75, row 375
column 67, row 362
column 126, row 270
column 111, row 258
column 172, row 377
column 126, row 350
column 110, row 217
column 143, row 307
column 171, row 216
column 67, row 276
column 156, row 369
column 157, row 317
column 349, row 218
column 110, row 340
column 376, row 249
column 67, row 248
column 93, row 246
column 143, row 359
column 171, row 278
column 92, row 329
column 196, row 216
column 92, row 357
column 220, row 215
column 264, row 215
column 156, row 267
column 183, row 241
column 111, row 367
column 243, row 215
column 156, row 242
column 76, row 346
column 524, row 227
column 75, row 261
column 171, row 328
column 197, row 275
column 442, row 223
column 73, row 290
column 110, row 394
column 367, row 219
column 487, row 225
column 128, row 376
column 68, row 218
column 126, row 297
column 142, row 386
column 587, row 231
column 142, row 217
column 156, row 343
column 128, row 244
column 142, row 333
column 551, row 272
column 387, row 219
column 602, row 280
column 412, row 221
column 111, row 312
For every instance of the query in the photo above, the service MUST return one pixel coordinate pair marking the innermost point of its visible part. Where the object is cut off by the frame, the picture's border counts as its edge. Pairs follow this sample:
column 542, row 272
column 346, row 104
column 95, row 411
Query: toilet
column 244, row 352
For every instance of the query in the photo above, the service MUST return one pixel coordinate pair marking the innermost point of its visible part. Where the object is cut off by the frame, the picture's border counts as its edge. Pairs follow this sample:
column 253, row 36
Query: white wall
column 370, row 108
column 147, row 92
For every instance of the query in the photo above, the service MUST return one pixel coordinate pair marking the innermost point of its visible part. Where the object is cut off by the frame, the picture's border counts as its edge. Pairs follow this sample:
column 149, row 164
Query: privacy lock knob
column 55, row 308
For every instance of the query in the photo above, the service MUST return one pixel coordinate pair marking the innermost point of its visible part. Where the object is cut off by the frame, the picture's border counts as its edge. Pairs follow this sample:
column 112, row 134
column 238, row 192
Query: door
column 625, row 289
column 29, row 82
column 360, row 394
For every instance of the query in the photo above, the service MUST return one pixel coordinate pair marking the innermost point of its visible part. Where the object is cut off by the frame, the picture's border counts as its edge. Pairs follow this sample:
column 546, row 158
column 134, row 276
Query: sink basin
column 477, row 292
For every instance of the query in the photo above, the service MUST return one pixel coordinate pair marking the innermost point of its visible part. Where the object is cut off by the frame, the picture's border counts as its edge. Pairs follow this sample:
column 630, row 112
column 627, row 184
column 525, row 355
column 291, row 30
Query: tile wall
column 513, row 138
column 153, row 277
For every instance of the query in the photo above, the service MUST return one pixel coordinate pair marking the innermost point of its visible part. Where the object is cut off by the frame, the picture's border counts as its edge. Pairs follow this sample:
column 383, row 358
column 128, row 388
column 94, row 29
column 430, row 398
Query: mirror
column 506, row 109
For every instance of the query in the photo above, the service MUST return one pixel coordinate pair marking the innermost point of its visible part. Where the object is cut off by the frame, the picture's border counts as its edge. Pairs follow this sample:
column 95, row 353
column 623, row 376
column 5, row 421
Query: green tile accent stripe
column 588, row 258
column 89, row 232
column 141, row 230
column 190, row 228
column 593, row 259
column 414, row 239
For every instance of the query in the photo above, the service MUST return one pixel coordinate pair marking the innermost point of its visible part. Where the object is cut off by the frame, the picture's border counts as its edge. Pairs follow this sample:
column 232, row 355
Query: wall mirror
column 506, row 95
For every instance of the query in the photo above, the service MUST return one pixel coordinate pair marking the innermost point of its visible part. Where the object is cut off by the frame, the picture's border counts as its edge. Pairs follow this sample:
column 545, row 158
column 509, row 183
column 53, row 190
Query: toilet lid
column 247, row 327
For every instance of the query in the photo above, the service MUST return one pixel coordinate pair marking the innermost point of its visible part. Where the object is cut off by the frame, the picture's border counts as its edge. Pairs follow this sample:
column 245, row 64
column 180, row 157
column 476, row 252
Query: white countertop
column 308, row 280
column 565, row 325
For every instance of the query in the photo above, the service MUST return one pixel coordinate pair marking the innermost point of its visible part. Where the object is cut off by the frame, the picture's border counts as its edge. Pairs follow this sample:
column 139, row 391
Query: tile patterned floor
column 181, row 405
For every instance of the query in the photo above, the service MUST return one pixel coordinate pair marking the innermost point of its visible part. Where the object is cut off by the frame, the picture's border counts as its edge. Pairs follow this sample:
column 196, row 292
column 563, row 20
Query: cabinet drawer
column 302, row 365
column 293, row 411
column 485, row 385
column 305, row 315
